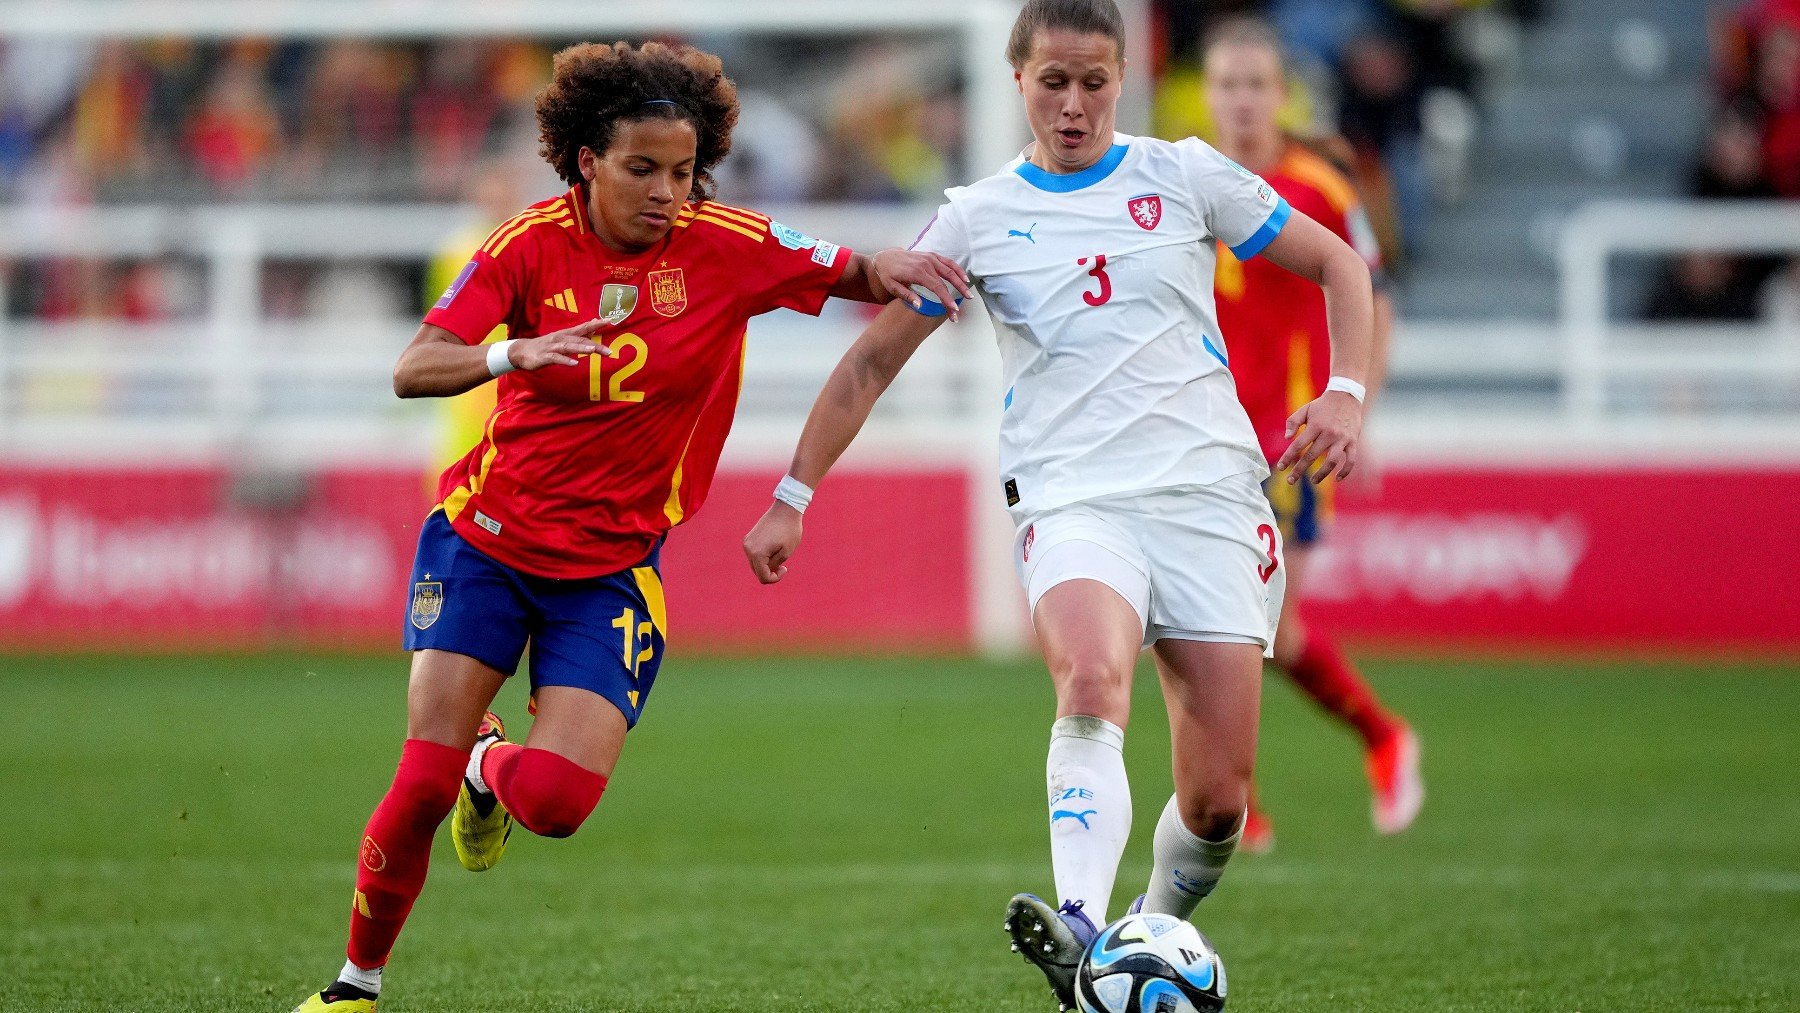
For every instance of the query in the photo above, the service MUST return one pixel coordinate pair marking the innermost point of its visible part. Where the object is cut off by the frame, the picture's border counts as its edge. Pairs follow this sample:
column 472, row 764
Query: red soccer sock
column 396, row 846
column 548, row 793
column 1328, row 677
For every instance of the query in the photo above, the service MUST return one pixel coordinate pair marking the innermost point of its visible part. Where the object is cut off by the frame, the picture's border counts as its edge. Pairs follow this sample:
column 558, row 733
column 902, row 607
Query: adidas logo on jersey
column 564, row 300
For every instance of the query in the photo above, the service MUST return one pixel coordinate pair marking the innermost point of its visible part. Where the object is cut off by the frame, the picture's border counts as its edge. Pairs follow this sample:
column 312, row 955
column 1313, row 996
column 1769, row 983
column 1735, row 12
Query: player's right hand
column 772, row 541
column 558, row 348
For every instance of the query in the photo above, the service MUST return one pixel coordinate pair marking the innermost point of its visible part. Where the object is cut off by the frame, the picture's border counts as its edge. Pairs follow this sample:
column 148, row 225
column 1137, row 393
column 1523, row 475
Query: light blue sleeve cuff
column 1265, row 235
column 929, row 307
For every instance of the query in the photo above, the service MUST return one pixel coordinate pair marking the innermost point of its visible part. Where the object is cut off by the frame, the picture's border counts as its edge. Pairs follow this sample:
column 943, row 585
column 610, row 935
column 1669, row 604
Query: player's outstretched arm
column 837, row 416
column 891, row 274
column 1328, row 428
column 438, row 364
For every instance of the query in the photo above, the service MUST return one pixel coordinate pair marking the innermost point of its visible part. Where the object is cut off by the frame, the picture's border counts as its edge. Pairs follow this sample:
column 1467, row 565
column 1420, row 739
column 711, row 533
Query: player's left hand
column 1328, row 429
column 899, row 270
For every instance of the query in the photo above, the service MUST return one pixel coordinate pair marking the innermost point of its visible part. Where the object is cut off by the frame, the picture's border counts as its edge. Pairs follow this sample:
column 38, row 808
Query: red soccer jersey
column 1274, row 320
column 582, row 468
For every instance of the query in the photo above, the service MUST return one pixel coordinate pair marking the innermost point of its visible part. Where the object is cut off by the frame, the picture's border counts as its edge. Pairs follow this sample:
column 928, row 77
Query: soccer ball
column 1150, row 963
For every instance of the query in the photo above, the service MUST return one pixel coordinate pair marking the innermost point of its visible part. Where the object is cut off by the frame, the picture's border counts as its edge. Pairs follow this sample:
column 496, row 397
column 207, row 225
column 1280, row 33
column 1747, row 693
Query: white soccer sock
column 473, row 770
column 1187, row 867
column 366, row 978
column 1090, row 810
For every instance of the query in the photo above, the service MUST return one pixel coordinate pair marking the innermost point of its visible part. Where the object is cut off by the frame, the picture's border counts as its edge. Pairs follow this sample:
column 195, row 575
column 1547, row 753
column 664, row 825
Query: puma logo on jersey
column 1027, row 234
column 1079, row 817
column 564, row 300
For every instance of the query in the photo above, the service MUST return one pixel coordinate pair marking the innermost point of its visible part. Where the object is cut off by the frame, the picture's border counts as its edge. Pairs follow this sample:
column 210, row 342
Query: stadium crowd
column 1751, row 151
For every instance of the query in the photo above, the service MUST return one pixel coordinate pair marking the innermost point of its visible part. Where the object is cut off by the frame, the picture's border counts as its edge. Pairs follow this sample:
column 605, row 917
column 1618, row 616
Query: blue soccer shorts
column 1302, row 510
column 603, row 634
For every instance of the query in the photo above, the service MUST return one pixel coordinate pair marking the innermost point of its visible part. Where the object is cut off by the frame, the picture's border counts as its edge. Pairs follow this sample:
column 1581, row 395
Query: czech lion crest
column 1146, row 210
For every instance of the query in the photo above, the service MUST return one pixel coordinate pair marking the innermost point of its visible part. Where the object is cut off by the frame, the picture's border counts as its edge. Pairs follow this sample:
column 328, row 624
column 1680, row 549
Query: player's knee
column 427, row 779
column 556, row 819
column 1091, row 684
column 553, row 795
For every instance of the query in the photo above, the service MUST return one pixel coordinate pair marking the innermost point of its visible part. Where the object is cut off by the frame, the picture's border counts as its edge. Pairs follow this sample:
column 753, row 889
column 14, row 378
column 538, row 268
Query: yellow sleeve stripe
column 524, row 226
column 504, row 228
column 750, row 218
column 1315, row 172
column 722, row 223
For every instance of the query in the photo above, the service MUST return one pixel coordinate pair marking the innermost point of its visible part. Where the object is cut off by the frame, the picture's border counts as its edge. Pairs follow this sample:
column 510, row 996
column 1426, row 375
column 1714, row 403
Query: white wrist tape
column 794, row 493
column 1348, row 386
column 499, row 357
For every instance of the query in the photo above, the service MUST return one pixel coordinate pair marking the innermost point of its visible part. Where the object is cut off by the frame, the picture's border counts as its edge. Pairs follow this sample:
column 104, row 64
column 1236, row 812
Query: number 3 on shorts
column 1266, row 532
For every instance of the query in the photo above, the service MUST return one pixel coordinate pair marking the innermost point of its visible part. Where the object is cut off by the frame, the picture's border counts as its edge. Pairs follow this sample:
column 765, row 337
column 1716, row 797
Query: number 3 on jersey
column 1098, row 271
column 600, row 388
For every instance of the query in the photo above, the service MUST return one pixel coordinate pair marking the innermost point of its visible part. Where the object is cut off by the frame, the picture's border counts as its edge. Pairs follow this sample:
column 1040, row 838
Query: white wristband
column 499, row 357
column 1348, row 386
column 794, row 493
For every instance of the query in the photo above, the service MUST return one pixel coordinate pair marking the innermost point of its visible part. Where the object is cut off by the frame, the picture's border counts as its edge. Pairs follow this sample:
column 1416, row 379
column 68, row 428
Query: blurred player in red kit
column 1275, row 323
column 625, row 301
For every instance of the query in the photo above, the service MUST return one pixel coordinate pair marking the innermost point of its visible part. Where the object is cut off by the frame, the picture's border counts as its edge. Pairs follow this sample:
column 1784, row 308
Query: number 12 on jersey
column 603, row 388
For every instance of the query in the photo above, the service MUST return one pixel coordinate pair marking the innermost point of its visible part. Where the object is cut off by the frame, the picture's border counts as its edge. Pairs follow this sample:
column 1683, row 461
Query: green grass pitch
column 840, row 834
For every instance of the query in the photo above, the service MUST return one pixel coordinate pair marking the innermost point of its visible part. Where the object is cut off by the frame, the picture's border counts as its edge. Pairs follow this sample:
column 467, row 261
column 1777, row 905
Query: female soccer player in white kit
column 1129, row 467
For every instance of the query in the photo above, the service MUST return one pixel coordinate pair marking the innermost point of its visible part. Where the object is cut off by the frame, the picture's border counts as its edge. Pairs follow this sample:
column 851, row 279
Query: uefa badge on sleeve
column 1146, row 210
column 427, row 603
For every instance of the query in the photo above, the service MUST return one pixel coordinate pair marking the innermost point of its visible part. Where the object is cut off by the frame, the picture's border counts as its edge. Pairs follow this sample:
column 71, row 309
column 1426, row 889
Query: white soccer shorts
column 1198, row 562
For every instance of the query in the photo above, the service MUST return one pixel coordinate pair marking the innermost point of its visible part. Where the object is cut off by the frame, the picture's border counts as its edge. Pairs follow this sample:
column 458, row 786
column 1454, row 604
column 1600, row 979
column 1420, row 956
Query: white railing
column 1682, row 373
column 231, row 380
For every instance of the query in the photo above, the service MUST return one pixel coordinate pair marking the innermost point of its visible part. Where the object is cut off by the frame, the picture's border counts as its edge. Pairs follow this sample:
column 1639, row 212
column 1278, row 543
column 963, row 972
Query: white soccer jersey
column 1100, row 286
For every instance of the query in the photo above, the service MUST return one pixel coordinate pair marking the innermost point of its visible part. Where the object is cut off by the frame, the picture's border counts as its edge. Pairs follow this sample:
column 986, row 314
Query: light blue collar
column 1068, row 182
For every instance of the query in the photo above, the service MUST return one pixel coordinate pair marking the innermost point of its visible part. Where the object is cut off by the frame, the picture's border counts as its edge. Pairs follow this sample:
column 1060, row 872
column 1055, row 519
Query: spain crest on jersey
column 1146, row 210
column 668, row 291
column 427, row 603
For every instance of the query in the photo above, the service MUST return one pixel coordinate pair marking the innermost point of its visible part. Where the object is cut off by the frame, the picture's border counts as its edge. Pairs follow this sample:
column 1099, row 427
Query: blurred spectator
column 109, row 115
column 1704, row 286
column 233, row 135
column 775, row 153
column 878, row 145
column 452, row 111
column 1380, row 115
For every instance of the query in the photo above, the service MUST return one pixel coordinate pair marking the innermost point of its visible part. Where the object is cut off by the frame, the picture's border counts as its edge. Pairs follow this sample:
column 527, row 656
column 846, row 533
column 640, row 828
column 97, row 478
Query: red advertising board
column 1644, row 559
column 201, row 557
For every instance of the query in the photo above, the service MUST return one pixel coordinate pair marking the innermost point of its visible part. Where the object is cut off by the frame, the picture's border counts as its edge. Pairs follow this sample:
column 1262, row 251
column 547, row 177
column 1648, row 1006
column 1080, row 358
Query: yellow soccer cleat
column 480, row 825
column 338, row 999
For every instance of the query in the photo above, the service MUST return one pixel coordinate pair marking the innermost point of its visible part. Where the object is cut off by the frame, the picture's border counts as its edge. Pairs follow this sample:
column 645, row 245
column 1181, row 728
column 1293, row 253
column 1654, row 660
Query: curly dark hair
column 594, row 86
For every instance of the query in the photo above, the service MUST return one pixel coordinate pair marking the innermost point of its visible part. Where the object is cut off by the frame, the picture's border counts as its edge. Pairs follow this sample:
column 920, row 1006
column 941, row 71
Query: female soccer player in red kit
column 627, row 298
column 1280, row 360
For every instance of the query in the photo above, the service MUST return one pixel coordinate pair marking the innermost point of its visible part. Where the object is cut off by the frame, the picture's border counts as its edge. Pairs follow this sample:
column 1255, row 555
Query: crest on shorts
column 668, row 291
column 427, row 603
column 1146, row 210
column 1030, row 538
column 617, row 302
